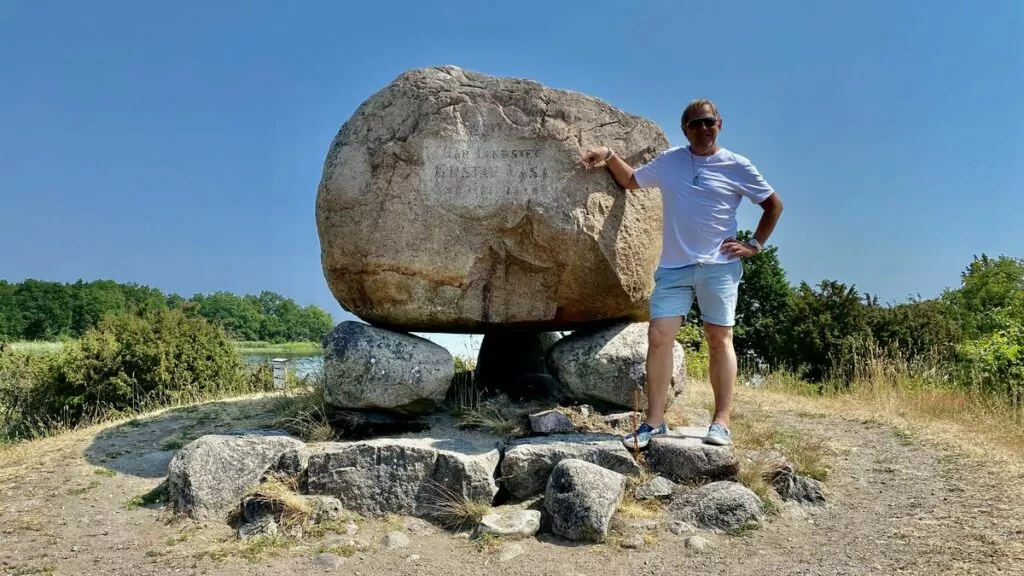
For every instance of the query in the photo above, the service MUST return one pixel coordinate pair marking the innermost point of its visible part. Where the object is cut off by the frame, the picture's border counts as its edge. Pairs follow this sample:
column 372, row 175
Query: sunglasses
column 707, row 122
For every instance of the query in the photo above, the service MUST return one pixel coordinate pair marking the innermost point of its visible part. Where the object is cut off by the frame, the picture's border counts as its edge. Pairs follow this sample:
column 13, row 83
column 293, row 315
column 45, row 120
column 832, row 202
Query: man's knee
column 662, row 334
column 719, row 337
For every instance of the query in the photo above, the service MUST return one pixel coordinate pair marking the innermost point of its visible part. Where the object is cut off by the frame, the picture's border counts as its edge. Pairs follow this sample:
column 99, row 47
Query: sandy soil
column 896, row 506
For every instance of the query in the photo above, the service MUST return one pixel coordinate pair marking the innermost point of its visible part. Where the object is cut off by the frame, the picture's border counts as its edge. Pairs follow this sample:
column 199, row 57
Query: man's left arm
column 753, row 186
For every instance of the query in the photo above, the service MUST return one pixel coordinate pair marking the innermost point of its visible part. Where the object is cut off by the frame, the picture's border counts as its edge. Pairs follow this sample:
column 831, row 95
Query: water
column 298, row 365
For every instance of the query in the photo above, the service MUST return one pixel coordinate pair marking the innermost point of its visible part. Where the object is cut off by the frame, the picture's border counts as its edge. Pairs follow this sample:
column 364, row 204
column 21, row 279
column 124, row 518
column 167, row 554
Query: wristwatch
column 757, row 245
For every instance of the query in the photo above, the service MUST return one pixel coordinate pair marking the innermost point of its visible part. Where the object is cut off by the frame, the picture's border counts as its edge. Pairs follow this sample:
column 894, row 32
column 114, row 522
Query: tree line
column 827, row 331
column 40, row 310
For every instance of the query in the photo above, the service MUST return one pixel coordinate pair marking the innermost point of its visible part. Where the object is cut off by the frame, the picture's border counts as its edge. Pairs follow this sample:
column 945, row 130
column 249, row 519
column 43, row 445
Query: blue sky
column 180, row 144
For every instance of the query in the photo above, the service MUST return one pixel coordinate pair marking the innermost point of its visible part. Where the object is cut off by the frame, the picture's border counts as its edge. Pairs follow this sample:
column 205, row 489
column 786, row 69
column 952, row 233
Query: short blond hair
column 696, row 105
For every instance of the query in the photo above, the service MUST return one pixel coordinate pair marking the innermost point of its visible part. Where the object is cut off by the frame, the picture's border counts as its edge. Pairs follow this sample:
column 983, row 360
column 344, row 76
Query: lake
column 297, row 365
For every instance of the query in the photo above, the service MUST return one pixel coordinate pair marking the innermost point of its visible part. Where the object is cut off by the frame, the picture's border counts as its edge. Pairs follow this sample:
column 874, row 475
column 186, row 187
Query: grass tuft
column 281, row 495
column 454, row 510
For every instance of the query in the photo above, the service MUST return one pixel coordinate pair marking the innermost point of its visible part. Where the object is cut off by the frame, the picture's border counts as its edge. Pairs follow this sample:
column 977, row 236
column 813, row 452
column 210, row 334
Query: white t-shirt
column 698, row 218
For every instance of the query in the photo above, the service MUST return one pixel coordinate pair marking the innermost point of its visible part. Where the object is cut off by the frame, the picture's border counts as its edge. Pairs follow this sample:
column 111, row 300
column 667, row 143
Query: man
column 702, row 185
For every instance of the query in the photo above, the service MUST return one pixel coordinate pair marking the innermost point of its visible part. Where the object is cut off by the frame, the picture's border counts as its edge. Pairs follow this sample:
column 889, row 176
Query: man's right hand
column 594, row 157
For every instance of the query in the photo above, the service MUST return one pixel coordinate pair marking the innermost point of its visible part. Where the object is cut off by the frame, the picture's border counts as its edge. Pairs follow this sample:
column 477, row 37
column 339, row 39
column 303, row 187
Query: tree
column 988, row 287
column 827, row 327
column 765, row 298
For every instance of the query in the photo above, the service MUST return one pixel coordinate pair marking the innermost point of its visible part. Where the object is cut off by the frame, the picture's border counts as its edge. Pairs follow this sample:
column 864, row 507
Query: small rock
column 658, row 487
column 395, row 540
column 697, row 543
column 351, row 529
column 522, row 524
column 413, row 558
column 796, row 488
column 679, row 527
column 720, row 506
column 328, row 561
column 325, row 508
column 551, row 422
column 581, row 498
column 265, row 526
column 634, row 542
column 510, row 551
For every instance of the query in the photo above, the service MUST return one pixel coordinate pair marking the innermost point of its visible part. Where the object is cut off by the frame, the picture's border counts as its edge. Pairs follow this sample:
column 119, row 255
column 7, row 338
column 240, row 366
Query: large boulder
column 528, row 462
column 209, row 476
column 370, row 368
column 455, row 201
column 581, row 498
column 411, row 476
column 608, row 366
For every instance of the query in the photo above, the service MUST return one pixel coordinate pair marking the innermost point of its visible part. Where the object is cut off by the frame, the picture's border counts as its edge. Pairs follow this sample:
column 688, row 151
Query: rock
column 264, row 526
column 522, row 524
column 581, row 498
column 655, row 488
column 796, row 488
column 528, row 462
column 394, row 540
column 633, row 542
column 454, row 201
column 679, row 527
column 720, row 506
column 328, row 561
column 369, row 368
column 551, row 422
column 684, row 459
column 208, row 477
column 510, row 551
column 402, row 475
column 413, row 558
column 697, row 543
column 512, row 362
column 607, row 366
column 624, row 421
column 325, row 508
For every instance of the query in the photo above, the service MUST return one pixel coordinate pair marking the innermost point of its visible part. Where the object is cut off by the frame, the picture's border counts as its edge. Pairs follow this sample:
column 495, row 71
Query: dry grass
column 302, row 411
column 635, row 509
column 455, row 511
column 969, row 424
column 282, row 496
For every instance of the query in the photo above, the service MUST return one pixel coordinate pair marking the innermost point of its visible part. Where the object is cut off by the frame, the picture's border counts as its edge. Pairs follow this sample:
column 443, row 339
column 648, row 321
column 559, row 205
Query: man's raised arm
column 622, row 172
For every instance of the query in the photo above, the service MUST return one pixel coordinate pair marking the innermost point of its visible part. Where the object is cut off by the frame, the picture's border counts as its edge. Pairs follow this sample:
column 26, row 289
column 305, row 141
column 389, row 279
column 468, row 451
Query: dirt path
column 896, row 507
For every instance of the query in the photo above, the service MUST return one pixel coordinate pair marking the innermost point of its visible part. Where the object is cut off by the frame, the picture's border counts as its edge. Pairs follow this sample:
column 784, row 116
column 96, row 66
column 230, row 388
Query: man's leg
column 722, row 369
column 717, row 292
column 661, row 335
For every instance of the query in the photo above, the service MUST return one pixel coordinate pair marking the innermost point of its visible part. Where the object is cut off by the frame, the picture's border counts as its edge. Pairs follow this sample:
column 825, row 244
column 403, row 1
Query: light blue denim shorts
column 715, row 287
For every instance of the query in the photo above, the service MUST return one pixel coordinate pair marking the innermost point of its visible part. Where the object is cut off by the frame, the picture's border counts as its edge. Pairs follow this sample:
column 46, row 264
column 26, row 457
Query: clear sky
column 180, row 144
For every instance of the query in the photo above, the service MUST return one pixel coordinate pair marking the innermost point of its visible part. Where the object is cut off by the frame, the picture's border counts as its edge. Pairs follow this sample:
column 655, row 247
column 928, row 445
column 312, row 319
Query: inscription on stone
column 485, row 172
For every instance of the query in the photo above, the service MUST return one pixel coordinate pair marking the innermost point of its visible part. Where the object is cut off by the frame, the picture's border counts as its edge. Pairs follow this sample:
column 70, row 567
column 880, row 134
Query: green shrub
column 126, row 364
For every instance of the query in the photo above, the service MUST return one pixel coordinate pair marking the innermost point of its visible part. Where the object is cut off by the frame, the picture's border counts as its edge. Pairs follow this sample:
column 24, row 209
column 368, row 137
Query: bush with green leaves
column 126, row 364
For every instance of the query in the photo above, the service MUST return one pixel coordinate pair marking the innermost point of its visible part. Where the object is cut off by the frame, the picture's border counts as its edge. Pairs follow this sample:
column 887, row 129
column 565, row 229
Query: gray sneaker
column 718, row 435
